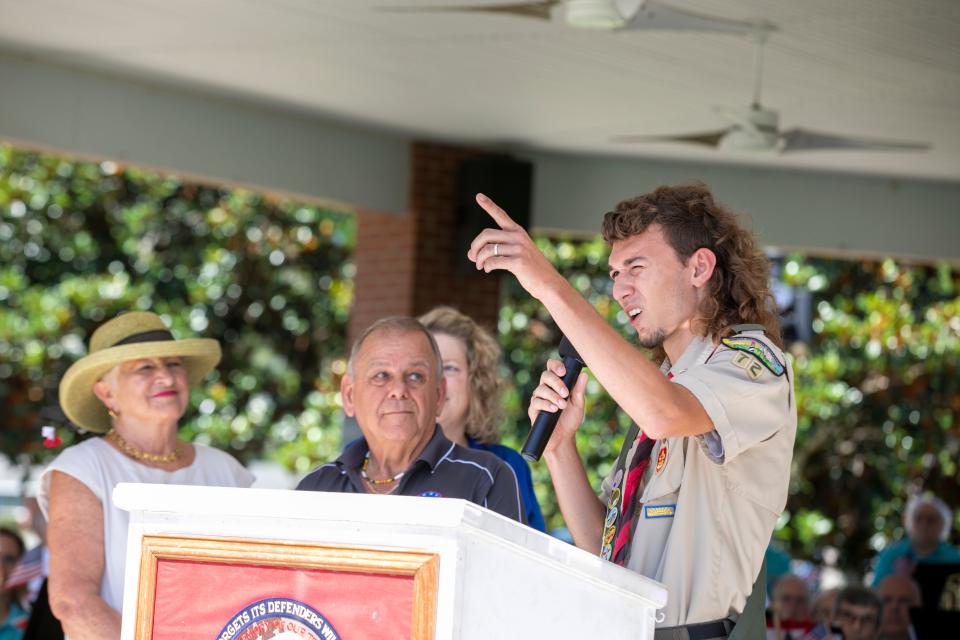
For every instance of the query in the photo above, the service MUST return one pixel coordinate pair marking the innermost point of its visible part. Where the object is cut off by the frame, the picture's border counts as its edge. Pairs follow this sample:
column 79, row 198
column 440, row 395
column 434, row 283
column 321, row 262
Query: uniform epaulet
column 743, row 328
column 759, row 349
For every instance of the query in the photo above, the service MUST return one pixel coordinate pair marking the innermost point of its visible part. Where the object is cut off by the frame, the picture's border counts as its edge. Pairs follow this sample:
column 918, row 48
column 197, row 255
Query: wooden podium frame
column 272, row 553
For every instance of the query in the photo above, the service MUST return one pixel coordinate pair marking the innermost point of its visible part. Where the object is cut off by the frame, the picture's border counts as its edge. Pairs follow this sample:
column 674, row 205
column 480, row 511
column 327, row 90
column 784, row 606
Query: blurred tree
column 877, row 385
column 271, row 279
column 879, row 400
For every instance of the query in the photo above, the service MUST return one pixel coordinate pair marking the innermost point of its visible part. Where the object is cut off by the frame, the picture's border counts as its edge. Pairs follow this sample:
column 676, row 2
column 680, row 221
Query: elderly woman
column 394, row 387
column 134, row 386
column 927, row 521
column 472, row 412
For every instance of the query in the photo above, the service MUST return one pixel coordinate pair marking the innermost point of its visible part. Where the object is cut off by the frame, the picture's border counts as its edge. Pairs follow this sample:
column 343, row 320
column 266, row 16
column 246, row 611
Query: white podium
column 238, row 564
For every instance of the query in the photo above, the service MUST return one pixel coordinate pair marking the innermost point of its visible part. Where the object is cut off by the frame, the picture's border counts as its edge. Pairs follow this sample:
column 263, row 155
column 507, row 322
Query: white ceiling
column 873, row 68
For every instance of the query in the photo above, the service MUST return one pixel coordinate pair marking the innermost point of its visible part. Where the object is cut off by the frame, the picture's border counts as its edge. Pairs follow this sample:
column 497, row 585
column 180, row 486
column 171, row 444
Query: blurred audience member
column 778, row 564
column 13, row 619
column 857, row 613
column 31, row 573
column 32, row 567
column 789, row 615
column 898, row 594
column 791, row 600
column 927, row 522
column 823, row 605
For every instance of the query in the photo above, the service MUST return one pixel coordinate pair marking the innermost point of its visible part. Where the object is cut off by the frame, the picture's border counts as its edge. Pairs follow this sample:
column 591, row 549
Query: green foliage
column 272, row 280
column 878, row 389
column 879, row 400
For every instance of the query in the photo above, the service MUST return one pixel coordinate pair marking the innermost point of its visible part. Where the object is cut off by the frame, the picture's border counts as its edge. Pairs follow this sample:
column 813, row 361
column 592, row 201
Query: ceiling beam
column 200, row 135
column 836, row 214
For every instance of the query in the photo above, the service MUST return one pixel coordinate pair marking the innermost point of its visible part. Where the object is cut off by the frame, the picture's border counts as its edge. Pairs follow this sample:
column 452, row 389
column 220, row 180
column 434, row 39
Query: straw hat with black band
column 130, row 336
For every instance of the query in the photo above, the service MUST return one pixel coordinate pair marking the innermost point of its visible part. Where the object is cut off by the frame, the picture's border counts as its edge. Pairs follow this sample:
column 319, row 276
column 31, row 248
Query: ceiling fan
column 757, row 129
column 610, row 15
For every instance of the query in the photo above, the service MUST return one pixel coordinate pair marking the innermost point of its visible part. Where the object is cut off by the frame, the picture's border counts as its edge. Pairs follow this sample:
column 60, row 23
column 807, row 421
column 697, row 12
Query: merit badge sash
column 622, row 507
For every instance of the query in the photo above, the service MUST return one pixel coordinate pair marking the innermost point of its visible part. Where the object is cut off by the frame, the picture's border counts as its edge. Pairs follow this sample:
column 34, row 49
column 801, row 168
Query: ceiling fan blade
column 809, row 140
column 737, row 116
column 539, row 9
column 704, row 138
column 657, row 15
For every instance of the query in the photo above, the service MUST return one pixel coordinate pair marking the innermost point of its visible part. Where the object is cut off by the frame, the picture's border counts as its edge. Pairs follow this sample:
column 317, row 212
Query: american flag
column 28, row 569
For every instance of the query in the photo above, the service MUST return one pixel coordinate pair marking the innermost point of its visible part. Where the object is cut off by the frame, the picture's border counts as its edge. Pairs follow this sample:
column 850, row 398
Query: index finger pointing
column 499, row 215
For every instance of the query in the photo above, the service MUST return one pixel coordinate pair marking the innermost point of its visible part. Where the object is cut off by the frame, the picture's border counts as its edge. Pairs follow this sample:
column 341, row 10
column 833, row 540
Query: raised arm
column 75, row 539
column 660, row 408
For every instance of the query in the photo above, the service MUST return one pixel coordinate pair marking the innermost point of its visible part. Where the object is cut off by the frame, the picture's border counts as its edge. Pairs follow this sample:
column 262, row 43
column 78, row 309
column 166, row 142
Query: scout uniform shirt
column 708, row 504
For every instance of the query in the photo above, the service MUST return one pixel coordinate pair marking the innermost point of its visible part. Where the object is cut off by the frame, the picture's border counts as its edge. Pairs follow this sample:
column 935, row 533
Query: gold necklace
column 379, row 489
column 363, row 473
column 139, row 454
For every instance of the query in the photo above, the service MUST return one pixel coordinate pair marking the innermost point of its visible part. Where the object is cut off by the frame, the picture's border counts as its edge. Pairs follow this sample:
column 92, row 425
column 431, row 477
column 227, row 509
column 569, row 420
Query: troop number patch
column 758, row 350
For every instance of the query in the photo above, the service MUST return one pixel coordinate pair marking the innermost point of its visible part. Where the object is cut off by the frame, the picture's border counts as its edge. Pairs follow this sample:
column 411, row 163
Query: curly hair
column 485, row 409
column 690, row 218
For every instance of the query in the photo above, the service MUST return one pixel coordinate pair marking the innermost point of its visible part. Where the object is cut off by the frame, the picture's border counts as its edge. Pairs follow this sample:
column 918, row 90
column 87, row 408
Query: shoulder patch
column 750, row 364
column 757, row 349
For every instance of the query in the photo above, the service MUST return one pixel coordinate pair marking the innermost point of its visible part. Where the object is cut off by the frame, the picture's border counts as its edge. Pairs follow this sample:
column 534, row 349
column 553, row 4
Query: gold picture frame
column 422, row 566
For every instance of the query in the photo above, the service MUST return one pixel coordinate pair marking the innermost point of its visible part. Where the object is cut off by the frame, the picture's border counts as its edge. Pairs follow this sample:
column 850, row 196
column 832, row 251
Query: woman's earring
column 112, row 414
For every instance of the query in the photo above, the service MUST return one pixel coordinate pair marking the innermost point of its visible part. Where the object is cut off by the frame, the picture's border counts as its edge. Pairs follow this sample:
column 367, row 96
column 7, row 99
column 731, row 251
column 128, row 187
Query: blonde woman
column 134, row 386
column 473, row 409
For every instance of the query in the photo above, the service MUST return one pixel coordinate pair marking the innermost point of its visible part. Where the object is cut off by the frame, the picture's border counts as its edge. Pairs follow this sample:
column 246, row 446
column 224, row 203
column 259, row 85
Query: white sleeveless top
column 100, row 467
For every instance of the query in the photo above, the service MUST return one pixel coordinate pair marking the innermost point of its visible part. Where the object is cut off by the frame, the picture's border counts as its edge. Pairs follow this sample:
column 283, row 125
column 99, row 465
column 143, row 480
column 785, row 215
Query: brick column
column 384, row 282
column 406, row 263
column 438, row 280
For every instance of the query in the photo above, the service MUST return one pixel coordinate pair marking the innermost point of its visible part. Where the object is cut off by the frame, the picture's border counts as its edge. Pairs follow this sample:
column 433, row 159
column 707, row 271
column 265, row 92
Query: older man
column 857, row 613
column 395, row 388
column 791, row 600
column 898, row 595
column 823, row 605
column 927, row 521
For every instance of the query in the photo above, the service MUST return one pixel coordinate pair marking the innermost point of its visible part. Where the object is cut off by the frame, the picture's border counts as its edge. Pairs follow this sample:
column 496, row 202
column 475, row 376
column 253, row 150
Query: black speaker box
column 507, row 181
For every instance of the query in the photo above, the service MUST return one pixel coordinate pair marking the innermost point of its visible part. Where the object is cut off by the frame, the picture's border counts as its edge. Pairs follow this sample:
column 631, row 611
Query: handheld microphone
column 546, row 421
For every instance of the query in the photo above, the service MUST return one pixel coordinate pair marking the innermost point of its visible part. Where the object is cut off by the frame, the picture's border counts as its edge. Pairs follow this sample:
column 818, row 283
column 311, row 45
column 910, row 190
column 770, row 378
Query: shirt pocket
column 663, row 486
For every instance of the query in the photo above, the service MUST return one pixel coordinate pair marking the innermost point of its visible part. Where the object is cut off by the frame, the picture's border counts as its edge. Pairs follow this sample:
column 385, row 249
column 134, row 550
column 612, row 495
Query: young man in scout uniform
column 695, row 494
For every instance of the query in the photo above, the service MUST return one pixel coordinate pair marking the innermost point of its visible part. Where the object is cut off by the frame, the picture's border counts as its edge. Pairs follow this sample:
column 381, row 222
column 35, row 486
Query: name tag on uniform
column 659, row 511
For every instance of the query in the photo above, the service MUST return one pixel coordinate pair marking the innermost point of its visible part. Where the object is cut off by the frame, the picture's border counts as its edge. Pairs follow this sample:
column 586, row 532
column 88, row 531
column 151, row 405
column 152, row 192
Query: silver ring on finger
column 496, row 248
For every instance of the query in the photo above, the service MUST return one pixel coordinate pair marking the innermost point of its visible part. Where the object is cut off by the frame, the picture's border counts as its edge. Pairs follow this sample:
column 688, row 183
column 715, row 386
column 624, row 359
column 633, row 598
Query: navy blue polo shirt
column 521, row 469
column 442, row 470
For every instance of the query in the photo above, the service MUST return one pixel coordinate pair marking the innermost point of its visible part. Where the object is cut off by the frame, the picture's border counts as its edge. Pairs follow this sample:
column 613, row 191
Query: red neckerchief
column 626, row 521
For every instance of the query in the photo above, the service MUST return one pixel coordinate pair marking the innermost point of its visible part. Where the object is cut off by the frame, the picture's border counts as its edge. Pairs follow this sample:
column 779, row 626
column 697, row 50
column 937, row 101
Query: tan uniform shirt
column 710, row 502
